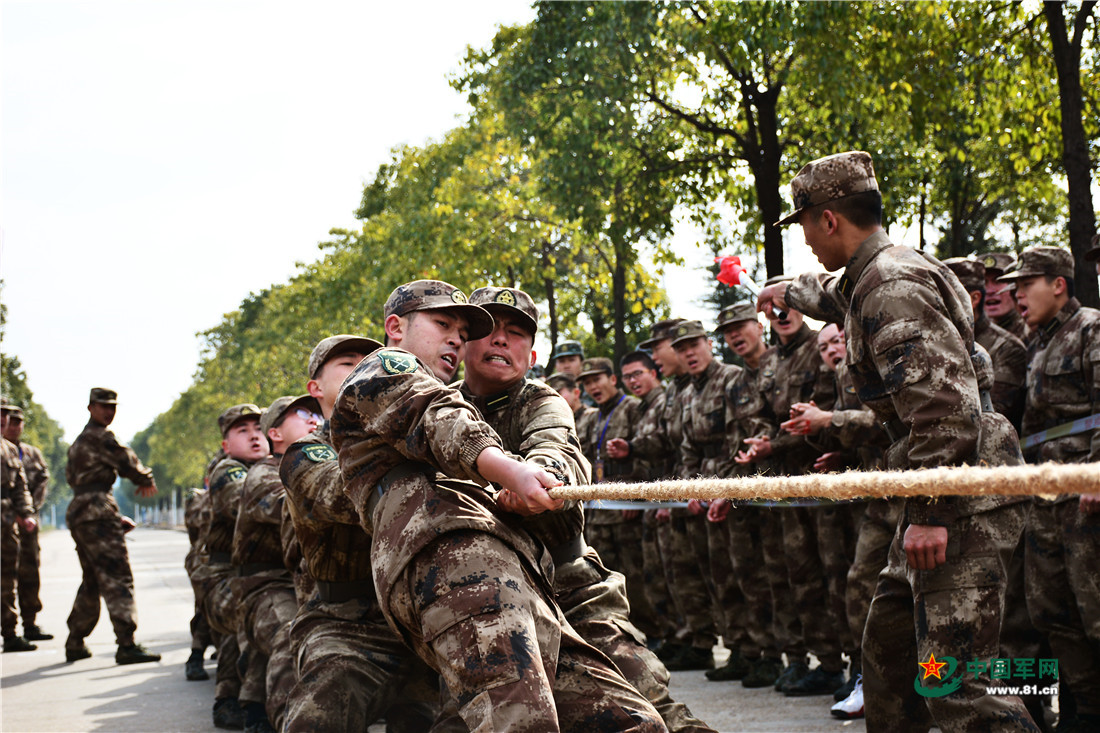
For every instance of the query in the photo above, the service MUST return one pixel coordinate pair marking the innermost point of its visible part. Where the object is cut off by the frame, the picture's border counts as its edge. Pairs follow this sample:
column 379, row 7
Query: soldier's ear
column 314, row 388
column 395, row 327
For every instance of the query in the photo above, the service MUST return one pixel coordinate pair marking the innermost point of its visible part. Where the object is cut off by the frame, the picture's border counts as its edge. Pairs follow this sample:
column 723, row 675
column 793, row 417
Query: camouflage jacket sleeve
column 15, row 482
column 125, row 461
column 392, row 409
column 38, row 474
column 314, row 485
column 226, row 482
column 548, row 438
column 814, row 294
column 262, row 494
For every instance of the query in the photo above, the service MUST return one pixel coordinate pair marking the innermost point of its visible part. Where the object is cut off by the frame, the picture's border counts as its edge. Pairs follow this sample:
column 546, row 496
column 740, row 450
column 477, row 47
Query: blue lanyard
column 606, row 423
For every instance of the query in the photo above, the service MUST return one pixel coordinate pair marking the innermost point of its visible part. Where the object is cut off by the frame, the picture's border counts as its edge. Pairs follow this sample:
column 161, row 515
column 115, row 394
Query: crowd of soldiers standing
column 383, row 545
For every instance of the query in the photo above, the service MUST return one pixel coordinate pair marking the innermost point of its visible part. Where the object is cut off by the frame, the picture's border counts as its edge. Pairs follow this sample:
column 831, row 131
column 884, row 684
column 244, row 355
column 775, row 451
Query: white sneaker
column 850, row 707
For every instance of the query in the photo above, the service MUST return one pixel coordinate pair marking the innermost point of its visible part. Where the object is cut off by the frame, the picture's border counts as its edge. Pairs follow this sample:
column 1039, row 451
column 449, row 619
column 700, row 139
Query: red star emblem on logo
column 932, row 667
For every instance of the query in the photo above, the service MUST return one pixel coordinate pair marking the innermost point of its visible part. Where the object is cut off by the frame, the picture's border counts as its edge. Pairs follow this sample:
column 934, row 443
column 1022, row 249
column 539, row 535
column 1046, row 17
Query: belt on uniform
column 251, row 568
column 569, row 550
column 713, row 450
column 220, row 557
column 103, row 486
column 339, row 591
column 897, row 430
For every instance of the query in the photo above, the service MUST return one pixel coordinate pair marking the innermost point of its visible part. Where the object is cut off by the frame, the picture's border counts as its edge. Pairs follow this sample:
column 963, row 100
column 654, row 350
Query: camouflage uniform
column 1013, row 322
column 1063, row 542
column 617, row 538
column 533, row 422
column 1009, row 357
column 465, row 588
column 351, row 667
column 264, row 590
column 16, row 501
column 30, row 560
column 705, row 451
column 909, row 333
column 196, row 515
column 96, row 459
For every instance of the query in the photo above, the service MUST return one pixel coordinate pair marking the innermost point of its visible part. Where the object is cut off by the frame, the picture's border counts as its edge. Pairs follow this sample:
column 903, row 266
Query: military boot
column 734, row 669
column 691, row 658
column 817, row 682
column 194, row 669
column 793, row 672
column 228, row 714
column 15, row 643
column 31, row 632
column 765, row 671
column 73, row 654
column 135, row 654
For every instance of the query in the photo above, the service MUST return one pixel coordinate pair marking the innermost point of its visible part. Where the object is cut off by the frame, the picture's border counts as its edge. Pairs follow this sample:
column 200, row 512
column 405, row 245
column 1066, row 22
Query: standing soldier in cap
column 1063, row 534
column 566, row 386
column 264, row 588
column 534, row 424
column 38, row 481
column 1000, row 304
column 1008, row 352
column 566, row 358
column 352, row 668
column 464, row 587
column 96, row 459
column 910, row 350
column 196, row 515
column 17, row 508
column 244, row 444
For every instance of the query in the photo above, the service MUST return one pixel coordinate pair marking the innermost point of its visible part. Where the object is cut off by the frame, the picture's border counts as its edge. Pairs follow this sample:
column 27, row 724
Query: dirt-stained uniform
column 533, row 422
column 96, row 459
column 352, row 668
column 30, row 560
column 264, row 590
column 15, row 501
column 910, row 350
column 1063, row 542
column 466, row 588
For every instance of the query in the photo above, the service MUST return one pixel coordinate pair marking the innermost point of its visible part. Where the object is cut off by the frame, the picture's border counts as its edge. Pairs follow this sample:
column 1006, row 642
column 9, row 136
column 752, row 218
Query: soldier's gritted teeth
column 503, row 356
column 831, row 346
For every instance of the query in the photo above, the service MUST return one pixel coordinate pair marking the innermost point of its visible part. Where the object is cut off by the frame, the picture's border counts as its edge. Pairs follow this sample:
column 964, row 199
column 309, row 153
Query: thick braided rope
column 1047, row 478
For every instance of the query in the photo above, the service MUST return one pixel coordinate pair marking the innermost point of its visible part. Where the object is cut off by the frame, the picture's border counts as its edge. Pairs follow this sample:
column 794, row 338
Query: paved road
column 40, row 692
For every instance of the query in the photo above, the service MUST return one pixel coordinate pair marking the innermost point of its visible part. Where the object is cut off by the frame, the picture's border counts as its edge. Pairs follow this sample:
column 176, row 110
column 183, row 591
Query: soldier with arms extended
column 17, row 508
column 910, row 350
column 464, row 585
column 534, row 423
column 96, row 459
column 38, row 481
column 1063, row 534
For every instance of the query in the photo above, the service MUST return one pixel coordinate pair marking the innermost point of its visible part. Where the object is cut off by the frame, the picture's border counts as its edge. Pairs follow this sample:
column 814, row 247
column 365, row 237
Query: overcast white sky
column 163, row 159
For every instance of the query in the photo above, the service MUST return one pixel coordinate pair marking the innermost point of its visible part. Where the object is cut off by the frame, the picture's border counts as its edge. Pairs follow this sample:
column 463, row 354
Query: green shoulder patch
column 319, row 453
column 236, row 473
column 395, row 362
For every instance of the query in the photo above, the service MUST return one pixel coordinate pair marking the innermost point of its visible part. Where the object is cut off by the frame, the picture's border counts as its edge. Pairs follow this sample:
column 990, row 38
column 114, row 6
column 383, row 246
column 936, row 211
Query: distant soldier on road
column 17, row 508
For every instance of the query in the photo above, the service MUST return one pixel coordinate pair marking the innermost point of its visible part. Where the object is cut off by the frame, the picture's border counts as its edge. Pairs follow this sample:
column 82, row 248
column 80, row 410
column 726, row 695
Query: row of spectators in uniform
column 774, row 584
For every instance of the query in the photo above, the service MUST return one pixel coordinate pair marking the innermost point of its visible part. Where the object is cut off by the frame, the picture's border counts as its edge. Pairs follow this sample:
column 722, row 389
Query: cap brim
column 1018, row 275
column 105, row 402
column 528, row 321
column 479, row 322
column 648, row 344
column 361, row 345
column 790, row 218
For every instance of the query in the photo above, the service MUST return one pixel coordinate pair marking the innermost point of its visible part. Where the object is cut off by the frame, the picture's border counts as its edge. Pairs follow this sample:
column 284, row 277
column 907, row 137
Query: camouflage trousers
column 9, row 571
column 786, row 624
column 471, row 608
column 743, row 528
column 105, row 564
column 352, row 669
column 266, row 614
column 837, row 530
column 220, row 608
column 810, row 584
column 876, row 532
column 657, row 590
column 727, row 600
column 30, row 579
column 1062, row 569
column 201, row 636
column 952, row 611
column 687, row 549
column 621, row 546
column 594, row 602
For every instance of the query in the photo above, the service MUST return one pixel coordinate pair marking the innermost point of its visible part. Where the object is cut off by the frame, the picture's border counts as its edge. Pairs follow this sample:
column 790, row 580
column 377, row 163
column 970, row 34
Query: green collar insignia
column 395, row 362
column 319, row 453
column 236, row 473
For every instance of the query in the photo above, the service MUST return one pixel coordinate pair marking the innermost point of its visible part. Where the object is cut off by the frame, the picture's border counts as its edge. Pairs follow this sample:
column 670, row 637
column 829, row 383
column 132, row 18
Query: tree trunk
column 552, row 310
column 1075, row 151
column 618, row 296
column 767, row 176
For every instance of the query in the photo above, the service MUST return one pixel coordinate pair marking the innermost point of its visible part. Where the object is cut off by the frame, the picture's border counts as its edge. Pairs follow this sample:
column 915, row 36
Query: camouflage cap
column 567, row 348
column 971, row 273
column 559, row 381
column 12, row 411
column 235, row 414
column 660, row 331
column 513, row 301
column 997, row 263
column 333, row 346
column 103, row 396
column 1053, row 261
column 596, row 365
column 285, row 404
column 421, row 295
column 1094, row 253
column 689, row 330
column 735, row 313
column 829, row 179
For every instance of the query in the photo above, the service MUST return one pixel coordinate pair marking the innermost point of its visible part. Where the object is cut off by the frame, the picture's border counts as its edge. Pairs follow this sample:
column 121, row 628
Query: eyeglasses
column 631, row 376
column 307, row 415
